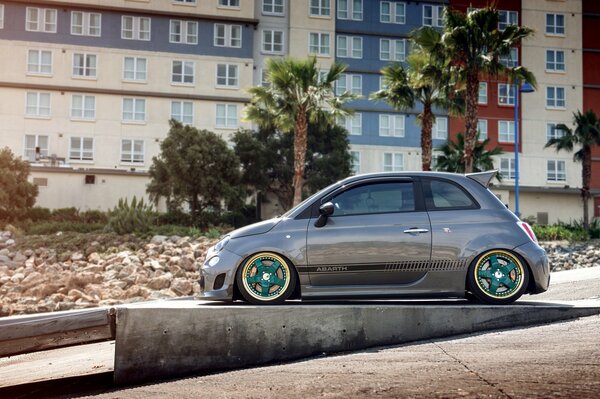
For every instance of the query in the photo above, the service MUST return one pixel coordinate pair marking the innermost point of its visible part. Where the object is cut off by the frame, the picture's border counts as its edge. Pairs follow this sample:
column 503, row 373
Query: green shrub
column 175, row 217
column 560, row 232
column 54, row 227
column 175, row 230
column 212, row 233
column 137, row 217
column 94, row 216
column 39, row 214
column 65, row 215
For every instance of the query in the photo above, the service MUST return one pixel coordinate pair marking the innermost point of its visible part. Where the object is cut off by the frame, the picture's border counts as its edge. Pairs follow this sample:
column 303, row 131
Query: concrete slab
column 182, row 338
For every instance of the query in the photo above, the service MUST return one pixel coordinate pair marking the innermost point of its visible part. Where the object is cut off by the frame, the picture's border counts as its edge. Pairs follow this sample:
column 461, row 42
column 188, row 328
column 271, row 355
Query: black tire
column 266, row 278
column 498, row 277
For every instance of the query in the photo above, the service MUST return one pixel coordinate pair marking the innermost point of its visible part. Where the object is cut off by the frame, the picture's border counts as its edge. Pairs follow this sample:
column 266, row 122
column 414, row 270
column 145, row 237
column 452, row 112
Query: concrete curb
column 181, row 338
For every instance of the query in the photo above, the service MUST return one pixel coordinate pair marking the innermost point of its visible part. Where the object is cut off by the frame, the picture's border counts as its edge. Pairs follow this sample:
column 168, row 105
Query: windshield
column 310, row 199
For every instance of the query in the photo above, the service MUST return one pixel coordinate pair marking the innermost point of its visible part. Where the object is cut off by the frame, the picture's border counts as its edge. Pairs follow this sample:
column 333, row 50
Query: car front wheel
column 266, row 278
column 498, row 277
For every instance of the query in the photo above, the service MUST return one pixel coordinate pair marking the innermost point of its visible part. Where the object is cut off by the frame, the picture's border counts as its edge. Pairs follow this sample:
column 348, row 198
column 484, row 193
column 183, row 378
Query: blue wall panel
column 14, row 29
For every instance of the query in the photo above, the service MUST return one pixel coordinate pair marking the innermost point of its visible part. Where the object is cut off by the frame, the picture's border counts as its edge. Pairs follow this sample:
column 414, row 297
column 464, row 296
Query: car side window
column 375, row 198
column 447, row 195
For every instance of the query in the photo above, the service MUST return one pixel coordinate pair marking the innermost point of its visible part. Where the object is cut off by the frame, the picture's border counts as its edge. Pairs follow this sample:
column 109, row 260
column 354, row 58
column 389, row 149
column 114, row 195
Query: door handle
column 414, row 230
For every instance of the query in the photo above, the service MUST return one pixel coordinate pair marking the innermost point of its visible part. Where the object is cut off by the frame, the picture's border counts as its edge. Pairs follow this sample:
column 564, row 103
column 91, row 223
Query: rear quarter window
column 445, row 195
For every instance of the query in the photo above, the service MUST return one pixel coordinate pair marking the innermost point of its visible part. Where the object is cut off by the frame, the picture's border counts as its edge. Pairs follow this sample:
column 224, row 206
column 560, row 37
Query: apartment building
column 87, row 87
column 87, row 90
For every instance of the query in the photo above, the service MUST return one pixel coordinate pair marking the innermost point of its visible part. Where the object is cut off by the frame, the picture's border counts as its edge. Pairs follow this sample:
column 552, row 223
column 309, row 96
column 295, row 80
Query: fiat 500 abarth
column 385, row 235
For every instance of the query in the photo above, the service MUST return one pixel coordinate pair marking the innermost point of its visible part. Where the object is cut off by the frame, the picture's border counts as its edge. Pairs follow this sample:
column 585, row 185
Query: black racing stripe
column 407, row 266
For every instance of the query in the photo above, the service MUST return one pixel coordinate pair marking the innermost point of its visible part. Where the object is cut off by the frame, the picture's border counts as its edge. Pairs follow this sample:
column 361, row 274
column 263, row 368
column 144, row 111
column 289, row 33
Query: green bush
column 175, row 217
column 137, row 217
column 94, row 216
column 560, row 232
column 65, row 215
column 39, row 214
column 54, row 227
column 175, row 230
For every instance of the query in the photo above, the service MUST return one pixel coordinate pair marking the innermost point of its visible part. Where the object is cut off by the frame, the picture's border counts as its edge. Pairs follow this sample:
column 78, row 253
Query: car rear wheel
column 498, row 277
column 266, row 278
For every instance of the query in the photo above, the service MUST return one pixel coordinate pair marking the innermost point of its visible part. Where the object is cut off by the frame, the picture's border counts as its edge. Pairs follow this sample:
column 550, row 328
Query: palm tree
column 586, row 135
column 427, row 80
column 453, row 153
column 297, row 93
column 476, row 45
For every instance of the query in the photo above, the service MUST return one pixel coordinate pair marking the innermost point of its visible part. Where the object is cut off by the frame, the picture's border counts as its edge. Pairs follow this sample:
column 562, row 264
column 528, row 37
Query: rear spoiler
column 483, row 178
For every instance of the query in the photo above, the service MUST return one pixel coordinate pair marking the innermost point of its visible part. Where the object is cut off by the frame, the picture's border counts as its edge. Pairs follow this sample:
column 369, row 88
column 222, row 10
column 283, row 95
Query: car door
column 378, row 234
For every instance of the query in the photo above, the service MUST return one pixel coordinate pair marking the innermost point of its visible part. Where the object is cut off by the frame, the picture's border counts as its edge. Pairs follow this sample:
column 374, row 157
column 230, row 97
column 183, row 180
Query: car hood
column 256, row 228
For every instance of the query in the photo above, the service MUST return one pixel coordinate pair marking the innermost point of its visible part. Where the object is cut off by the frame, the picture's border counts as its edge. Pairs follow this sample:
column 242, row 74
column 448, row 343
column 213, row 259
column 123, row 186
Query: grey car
column 384, row 235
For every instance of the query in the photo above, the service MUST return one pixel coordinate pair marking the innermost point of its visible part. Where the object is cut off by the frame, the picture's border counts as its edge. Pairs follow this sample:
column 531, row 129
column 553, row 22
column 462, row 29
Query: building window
column 182, row 72
column 228, row 35
column 506, row 131
column 393, row 162
column 510, row 60
column 320, row 8
column 352, row 123
column 272, row 41
column 350, row 9
column 36, row 146
column 134, row 68
column 392, row 12
column 507, row 18
column 349, row 46
column 227, row 75
column 134, row 109
column 227, row 116
column 318, row 43
column 507, row 168
column 272, row 7
column 555, row 24
column 185, row 1
column 132, row 151
column 39, row 62
column 40, row 20
column 135, row 28
column 183, row 31
column 349, row 82
column 482, row 128
column 506, row 94
column 483, row 93
column 552, row 132
column 555, row 97
column 229, row 3
column 84, row 65
column 392, row 50
column 383, row 84
column 81, row 149
column 440, row 128
column 556, row 170
column 355, row 162
column 391, row 125
column 183, row 111
column 83, row 107
column 1, row 16
column 433, row 15
column 85, row 23
column 555, row 61
column 264, row 77
column 38, row 104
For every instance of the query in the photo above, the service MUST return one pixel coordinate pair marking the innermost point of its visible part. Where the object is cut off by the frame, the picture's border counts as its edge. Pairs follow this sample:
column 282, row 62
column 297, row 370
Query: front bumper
column 536, row 258
column 216, row 281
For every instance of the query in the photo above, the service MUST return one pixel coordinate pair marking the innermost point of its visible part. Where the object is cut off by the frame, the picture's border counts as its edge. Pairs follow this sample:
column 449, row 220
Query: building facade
column 87, row 88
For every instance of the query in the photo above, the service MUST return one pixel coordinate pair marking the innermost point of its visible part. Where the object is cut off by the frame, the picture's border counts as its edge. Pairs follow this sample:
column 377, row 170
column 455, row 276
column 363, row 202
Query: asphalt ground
column 555, row 360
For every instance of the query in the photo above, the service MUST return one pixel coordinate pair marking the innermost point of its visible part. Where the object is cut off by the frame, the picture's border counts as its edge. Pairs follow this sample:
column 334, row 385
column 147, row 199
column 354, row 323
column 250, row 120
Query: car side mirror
column 325, row 211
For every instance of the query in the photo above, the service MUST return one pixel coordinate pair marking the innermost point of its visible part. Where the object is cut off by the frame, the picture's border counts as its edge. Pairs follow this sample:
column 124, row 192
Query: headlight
column 221, row 244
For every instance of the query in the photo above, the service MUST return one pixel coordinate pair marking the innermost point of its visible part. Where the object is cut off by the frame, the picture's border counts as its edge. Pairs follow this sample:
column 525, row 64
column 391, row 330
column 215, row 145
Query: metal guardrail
column 32, row 333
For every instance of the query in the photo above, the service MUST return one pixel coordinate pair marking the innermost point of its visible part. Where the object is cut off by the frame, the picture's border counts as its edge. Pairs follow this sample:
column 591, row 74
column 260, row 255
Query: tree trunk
column 300, row 143
column 426, row 127
column 472, row 101
column 586, row 175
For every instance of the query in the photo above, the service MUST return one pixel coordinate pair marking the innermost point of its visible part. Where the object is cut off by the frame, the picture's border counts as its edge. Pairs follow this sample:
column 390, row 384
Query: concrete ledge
column 181, row 338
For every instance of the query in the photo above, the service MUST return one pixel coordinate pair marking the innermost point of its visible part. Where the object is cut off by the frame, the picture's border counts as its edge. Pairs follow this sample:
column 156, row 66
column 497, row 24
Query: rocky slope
column 42, row 280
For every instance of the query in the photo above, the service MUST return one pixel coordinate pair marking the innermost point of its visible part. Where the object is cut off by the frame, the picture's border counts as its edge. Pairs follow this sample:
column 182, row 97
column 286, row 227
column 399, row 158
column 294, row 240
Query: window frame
column 349, row 47
column 511, row 168
column 227, row 76
column 136, row 28
column 392, row 126
column 508, row 124
column 393, row 165
column 435, row 15
column 134, row 100
column 182, row 115
column 227, row 107
column 40, row 63
column 38, row 105
column 486, row 129
column 555, row 25
column 184, row 65
column 228, row 5
column 510, row 90
column 85, row 67
column 355, row 166
column 435, row 128
column 44, row 152
column 131, row 160
column 393, row 49
column 273, row 5
column 86, row 23
column 135, row 71
column 1, row 16
column 81, row 150
column 507, row 13
column 320, row 7
column 555, row 98
column 428, row 196
column 394, row 17
column 348, row 123
column 41, row 23
column 485, row 85
column 351, row 13
column 227, row 38
column 555, row 62
column 273, row 43
column 556, row 171
column 556, row 135
column 184, row 32
column 320, row 46
column 83, row 108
